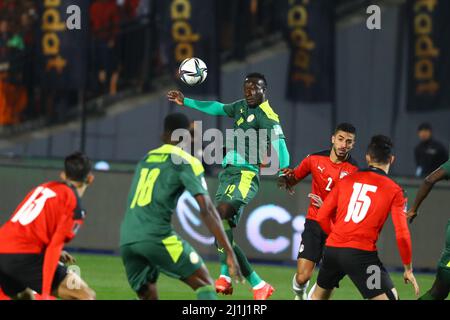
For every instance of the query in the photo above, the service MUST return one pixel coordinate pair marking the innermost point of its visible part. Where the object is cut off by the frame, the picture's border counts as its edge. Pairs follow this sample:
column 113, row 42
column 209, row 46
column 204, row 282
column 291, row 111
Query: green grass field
column 106, row 275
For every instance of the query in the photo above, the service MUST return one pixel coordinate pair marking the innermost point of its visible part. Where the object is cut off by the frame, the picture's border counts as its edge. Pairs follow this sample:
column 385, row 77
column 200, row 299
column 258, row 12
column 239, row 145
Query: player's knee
column 204, row 278
column 148, row 292
column 200, row 279
column 226, row 211
column 303, row 276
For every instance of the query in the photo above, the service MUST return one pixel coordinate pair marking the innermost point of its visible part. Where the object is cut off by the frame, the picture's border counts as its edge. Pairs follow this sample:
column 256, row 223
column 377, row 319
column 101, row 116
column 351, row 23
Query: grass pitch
column 106, row 275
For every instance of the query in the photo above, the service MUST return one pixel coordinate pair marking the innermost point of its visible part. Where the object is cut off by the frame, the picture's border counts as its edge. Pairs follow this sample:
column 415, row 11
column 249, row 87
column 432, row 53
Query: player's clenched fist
column 176, row 96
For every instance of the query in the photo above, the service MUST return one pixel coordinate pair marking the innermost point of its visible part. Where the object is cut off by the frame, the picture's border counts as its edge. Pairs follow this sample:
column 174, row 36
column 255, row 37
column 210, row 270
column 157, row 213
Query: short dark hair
column 176, row 121
column 380, row 149
column 77, row 166
column 257, row 75
column 424, row 126
column 346, row 127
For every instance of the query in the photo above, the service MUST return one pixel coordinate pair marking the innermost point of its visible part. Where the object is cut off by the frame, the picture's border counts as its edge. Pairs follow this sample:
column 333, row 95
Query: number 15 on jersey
column 359, row 202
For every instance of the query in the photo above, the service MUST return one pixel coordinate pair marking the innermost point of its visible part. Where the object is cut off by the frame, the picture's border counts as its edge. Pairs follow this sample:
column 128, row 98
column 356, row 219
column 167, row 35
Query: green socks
column 206, row 293
column 246, row 269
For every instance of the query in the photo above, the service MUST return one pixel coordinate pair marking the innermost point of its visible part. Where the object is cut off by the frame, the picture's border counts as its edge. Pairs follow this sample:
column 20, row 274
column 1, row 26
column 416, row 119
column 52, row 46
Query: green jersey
column 250, row 121
column 160, row 178
column 446, row 167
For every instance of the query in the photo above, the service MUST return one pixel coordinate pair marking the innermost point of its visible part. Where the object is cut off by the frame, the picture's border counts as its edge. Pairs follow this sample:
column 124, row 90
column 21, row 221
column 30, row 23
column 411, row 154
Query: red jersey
column 359, row 206
column 49, row 216
column 325, row 174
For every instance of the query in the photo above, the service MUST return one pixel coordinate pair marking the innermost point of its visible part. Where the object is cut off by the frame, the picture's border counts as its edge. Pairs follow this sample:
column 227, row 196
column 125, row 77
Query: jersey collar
column 376, row 170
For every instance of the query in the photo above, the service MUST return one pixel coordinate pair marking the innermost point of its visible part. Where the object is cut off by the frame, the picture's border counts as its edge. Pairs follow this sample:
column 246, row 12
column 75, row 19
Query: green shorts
column 171, row 255
column 444, row 261
column 237, row 187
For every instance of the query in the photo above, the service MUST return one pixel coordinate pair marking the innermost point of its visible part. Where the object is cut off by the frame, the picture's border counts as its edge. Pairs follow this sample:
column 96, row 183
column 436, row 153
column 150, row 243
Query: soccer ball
column 193, row 71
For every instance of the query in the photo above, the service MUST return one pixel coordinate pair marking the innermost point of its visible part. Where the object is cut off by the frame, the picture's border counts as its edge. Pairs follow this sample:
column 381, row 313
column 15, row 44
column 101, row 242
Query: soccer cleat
column 223, row 286
column 301, row 296
column 263, row 293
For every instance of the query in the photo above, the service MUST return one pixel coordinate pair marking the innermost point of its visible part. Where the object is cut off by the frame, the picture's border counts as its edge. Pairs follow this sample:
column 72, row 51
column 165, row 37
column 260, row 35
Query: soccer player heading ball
column 239, row 181
column 31, row 242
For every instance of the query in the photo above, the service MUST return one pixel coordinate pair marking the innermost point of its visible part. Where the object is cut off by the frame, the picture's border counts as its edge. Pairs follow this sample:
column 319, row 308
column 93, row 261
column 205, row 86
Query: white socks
column 310, row 293
column 297, row 287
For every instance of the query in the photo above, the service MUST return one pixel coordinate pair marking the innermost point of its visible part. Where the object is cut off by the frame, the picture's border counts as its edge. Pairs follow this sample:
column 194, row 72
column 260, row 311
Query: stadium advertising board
column 62, row 46
column 190, row 31
column 428, row 51
column 309, row 30
column 268, row 232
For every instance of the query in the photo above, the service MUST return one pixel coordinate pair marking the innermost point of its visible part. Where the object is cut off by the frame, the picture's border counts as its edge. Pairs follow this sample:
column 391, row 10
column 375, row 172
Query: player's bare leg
column 74, row 288
column 148, row 292
column 393, row 295
column 318, row 293
column 202, row 283
column 305, row 269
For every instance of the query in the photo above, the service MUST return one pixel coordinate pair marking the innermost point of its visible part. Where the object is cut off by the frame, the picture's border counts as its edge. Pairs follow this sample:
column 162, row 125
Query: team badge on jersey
column 250, row 118
column 343, row 174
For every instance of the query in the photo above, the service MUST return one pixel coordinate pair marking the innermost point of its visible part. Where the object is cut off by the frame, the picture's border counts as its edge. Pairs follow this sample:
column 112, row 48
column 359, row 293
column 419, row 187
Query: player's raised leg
column 261, row 289
column 73, row 287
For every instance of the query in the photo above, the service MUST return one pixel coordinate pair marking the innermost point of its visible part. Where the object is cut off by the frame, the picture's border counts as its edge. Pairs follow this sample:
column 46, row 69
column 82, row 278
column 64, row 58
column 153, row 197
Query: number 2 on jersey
column 359, row 202
column 328, row 187
column 144, row 190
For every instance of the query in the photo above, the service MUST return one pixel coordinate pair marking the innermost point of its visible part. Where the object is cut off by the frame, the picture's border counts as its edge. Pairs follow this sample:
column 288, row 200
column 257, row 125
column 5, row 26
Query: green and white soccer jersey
column 444, row 261
column 251, row 121
column 160, row 178
column 148, row 243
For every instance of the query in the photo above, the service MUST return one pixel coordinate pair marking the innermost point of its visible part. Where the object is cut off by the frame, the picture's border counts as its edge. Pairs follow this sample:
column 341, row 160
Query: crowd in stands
column 125, row 51
column 20, row 98
column 16, row 41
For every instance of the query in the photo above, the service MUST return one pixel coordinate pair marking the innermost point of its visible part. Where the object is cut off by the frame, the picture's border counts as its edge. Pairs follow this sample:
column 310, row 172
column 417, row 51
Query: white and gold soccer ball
column 193, row 71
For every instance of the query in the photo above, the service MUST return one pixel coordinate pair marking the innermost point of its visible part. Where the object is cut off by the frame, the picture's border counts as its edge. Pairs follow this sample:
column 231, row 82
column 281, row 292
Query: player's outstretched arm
column 424, row 190
column 212, row 220
column 213, row 108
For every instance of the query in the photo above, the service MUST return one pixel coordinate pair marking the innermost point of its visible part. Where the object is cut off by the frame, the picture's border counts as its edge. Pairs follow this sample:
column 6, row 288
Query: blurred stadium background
column 102, row 89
